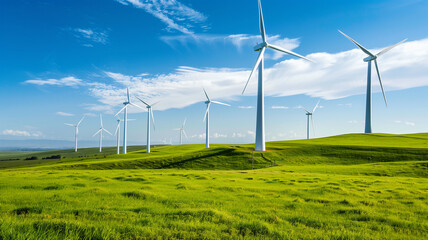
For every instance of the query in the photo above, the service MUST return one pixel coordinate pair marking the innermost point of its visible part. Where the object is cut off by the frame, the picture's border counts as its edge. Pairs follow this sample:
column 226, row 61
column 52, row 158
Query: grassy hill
column 344, row 187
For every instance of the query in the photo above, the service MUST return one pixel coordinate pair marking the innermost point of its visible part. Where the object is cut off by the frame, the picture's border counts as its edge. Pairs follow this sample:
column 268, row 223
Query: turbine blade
column 313, row 126
column 97, row 132
column 153, row 119
column 101, row 119
column 81, row 120
column 288, row 52
column 380, row 82
column 225, row 104
column 206, row 95
column 135, row 105
column 304, row 109
column 389, row 48
column 142, row 101
column 176, row 129
column 71, row 125
column 262, row 24
column 121, row 110
column 127, row 94
column 106, row 131
column 184, row 123
column 155, row 103
column 316, row 106
column 117, row 129
column 358, row 45
column 185, row 134
column 259, row 59
column 206, row 112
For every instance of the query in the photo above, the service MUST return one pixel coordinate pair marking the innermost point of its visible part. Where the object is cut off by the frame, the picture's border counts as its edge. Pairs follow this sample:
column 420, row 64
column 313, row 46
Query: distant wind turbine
column 117, row 132
column 100, row 132
column 125, row 119
column 182, row 131
column 371, row 57
column 150, row 117
column 260, row 125
column 76, row 131
column 207, row 118
column 310, row 114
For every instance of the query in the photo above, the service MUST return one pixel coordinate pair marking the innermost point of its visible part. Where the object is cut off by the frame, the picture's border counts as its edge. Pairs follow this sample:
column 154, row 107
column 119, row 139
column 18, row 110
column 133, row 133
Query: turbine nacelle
column 259, row 46
column 370, row 58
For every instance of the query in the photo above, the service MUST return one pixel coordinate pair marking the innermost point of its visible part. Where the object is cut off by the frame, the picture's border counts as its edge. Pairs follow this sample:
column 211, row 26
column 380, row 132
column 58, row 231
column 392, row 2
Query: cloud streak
column 173, row 13
column 66, row 81
column 64, row 114
column 238, row 40
column 89, row 37
column 21, row 133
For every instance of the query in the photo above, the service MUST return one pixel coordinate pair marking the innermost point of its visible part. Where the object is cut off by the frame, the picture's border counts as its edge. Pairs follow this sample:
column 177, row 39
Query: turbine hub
column 259, row 46
column 370, row 58
column 207, row 102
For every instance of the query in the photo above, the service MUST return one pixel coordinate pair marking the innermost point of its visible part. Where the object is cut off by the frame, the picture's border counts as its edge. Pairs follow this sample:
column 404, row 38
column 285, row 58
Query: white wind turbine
column 100, row 132
column 371, row 57
column 207, row 118
column 310, row 114
column 125, row 119
column 150, row 117
column 182, row 131
column 117, row 132
column 76, row 130
column 260, row 126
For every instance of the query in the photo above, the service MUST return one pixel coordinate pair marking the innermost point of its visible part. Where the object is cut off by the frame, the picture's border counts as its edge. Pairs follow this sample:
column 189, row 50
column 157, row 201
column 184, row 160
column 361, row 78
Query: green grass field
column 345, row 187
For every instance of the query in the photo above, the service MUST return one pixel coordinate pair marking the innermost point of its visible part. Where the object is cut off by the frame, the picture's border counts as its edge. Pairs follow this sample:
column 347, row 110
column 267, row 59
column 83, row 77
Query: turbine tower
column 117, row 133
column 371, row 57
column 125, row 118
column 260, row 125
column 207, row 118
column 100, row 132
column 182, row 131
column 310, row 114
column 150, row 117
column 76, row 131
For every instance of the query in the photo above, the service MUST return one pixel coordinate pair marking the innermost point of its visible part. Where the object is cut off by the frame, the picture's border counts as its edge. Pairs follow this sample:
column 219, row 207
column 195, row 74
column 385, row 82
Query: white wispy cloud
column 173, row 13
column 89, row 36
column 66, row 81
column 280, row 107
column 246, row 107
column 407, row 123
column 238, row 135
column 21, row 133
column 64, row 114
column 237, row 40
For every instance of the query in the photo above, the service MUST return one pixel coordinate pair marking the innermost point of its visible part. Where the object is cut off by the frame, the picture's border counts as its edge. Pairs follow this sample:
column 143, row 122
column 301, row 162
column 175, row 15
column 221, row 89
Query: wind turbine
column 260, row 126
column 125, row 119
column 76, row 131
column 182, row 131
column 150, row 117
column 207, row 118
column 371, row 57
column 117, row 132
column 309, row 114
column 100, row 132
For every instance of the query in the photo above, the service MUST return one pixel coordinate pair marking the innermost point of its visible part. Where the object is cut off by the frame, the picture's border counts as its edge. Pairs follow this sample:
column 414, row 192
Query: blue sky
column 63, row 59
